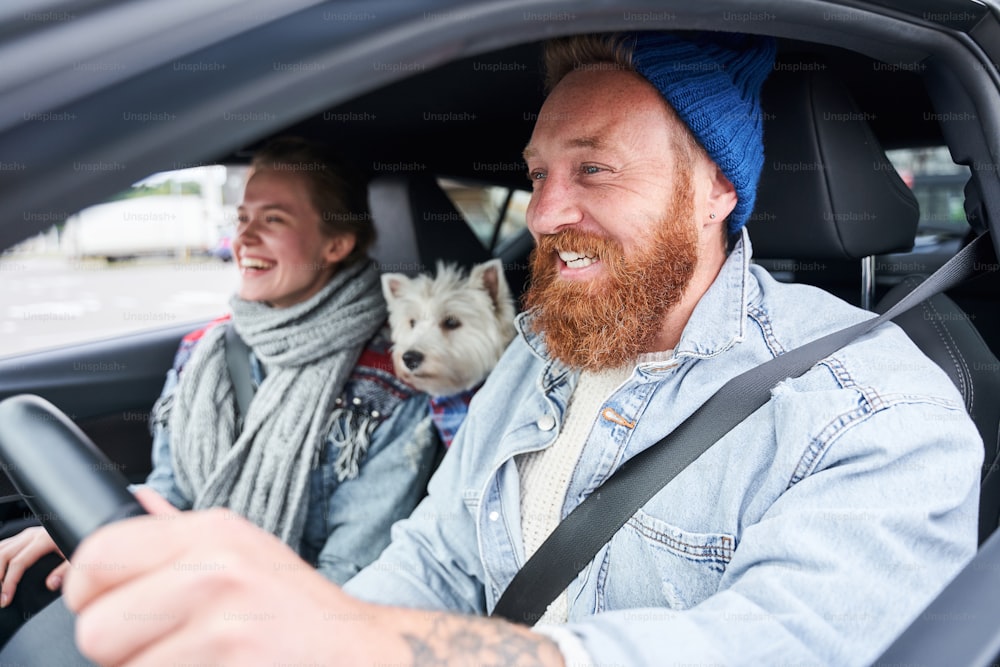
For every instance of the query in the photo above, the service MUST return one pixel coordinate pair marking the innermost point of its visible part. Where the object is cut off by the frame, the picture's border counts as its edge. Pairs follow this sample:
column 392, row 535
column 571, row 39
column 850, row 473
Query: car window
column 169, row 233
column 487, row 207
column 939, row 186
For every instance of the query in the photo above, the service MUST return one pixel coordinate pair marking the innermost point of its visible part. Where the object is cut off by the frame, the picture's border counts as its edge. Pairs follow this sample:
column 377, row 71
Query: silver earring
column 712, row 216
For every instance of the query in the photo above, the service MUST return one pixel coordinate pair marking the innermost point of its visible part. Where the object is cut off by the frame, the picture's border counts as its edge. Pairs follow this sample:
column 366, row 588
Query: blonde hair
column 612, row 51
column 607, row 52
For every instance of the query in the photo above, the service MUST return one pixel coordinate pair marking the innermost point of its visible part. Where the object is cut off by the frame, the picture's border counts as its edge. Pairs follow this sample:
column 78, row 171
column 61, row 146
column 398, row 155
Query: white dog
column 448, row 333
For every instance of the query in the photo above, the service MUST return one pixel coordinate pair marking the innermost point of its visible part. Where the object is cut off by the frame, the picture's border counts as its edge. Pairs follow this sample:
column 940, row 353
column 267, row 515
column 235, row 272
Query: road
column 51, row 301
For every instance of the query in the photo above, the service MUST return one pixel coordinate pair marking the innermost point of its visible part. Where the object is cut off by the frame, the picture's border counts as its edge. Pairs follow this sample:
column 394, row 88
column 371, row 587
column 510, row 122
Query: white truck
column 163, row 224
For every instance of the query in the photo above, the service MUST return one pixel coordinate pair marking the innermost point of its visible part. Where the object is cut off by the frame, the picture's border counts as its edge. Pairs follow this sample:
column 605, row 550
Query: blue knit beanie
column 713, row 80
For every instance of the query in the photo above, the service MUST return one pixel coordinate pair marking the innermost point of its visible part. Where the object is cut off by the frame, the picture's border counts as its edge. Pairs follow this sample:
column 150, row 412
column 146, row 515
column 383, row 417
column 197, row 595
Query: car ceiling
column 67, row 165
column 470, row 119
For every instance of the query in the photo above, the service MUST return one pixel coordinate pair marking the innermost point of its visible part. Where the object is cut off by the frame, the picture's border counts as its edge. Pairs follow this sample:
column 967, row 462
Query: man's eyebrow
column 593, row 142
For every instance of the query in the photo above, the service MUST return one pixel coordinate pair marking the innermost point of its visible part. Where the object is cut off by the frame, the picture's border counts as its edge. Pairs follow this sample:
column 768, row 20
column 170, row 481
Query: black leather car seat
column 829, row 193
column 946, row 334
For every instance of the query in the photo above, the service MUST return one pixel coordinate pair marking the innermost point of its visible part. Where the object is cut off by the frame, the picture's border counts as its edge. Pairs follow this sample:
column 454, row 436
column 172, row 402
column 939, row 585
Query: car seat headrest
column 417, row 225
column 827, row 191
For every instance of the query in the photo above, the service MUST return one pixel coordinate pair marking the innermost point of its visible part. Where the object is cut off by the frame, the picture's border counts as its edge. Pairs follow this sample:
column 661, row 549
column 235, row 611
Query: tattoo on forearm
column 476, row 642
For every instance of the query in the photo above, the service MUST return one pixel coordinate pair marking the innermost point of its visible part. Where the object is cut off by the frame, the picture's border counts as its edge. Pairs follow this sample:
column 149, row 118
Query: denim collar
column 718, row 322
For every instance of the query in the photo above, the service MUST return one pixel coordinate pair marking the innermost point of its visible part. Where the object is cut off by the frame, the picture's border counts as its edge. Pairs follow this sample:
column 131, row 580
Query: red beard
column 608, row 322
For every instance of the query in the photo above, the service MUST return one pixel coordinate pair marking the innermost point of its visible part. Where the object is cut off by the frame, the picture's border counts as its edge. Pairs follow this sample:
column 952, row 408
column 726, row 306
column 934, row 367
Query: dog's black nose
column 412, row 359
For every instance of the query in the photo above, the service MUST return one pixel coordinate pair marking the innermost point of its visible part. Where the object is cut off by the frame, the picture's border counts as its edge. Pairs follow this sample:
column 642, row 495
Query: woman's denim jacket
column 347, row 522
column 811, row 534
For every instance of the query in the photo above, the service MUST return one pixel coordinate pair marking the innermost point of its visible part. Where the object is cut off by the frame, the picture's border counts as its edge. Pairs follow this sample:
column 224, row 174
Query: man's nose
column 553, row 206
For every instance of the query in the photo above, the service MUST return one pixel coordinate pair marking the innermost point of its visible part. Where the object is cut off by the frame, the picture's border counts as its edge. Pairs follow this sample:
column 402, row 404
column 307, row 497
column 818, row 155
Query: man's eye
column 590, row 169
column 273, row 218
column 536, row 175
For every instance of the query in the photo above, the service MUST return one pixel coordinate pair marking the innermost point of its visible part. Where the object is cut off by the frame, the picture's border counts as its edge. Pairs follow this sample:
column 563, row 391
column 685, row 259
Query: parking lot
column 50, row 301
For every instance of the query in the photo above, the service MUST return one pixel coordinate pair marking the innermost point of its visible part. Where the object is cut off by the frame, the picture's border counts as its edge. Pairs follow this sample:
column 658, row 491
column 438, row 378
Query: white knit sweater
column 545, row 474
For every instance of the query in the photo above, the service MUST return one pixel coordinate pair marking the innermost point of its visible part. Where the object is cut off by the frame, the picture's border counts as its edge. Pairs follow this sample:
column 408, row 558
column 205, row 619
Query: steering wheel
column 73, row 489
column 68, row 483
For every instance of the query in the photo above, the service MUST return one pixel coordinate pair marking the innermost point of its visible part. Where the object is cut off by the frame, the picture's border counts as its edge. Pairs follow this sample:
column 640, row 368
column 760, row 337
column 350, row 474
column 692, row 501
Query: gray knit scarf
column 308, row 351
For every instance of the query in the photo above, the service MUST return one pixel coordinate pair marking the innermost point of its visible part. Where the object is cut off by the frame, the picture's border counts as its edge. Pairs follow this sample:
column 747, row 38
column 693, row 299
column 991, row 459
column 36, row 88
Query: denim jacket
column 347, row 522
column 811, row 534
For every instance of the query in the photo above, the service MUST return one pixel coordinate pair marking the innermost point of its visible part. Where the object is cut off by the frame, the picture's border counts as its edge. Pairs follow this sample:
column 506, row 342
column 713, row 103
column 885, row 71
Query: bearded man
column 811, row 534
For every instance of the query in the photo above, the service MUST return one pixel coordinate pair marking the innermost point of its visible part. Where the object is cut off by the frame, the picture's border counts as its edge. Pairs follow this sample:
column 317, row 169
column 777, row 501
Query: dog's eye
column 413, row 323
column 450, row 323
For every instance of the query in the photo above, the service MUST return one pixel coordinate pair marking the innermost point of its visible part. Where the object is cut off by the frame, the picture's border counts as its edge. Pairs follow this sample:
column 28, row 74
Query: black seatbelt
column 585, row 530
column 238, row 362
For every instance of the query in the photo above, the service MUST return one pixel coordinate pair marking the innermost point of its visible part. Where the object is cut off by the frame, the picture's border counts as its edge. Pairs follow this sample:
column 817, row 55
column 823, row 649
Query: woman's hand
column 20, row 552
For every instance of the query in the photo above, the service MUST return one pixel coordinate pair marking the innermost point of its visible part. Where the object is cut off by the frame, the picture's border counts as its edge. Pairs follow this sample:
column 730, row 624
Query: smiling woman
column 332, row 448
column 302, row 215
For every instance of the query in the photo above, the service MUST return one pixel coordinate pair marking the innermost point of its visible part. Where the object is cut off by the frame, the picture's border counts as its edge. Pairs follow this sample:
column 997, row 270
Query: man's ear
column 721, row 196
column 392, row 284
column 338, row 247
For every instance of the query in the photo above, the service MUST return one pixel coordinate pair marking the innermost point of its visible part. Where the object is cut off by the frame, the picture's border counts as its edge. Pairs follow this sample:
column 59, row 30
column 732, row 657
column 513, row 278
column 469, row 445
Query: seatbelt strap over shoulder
column 238, row 363
column 585, row 530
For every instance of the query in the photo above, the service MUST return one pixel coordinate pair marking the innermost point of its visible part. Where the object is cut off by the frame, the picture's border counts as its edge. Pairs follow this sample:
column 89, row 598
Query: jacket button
column 494, row 515
column 546, row 422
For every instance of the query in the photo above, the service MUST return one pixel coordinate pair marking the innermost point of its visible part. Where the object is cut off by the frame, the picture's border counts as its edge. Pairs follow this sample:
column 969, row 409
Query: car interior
column 830, row 203
column 829, row 116
column 832, row 211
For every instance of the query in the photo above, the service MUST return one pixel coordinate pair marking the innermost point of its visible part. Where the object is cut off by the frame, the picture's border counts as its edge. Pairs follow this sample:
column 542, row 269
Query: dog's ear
column 490, row 275
column 392, row 284
column 441, row 267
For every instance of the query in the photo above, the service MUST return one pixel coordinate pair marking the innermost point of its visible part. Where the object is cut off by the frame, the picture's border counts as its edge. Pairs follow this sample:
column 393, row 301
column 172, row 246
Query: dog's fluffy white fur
column 448, row 332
